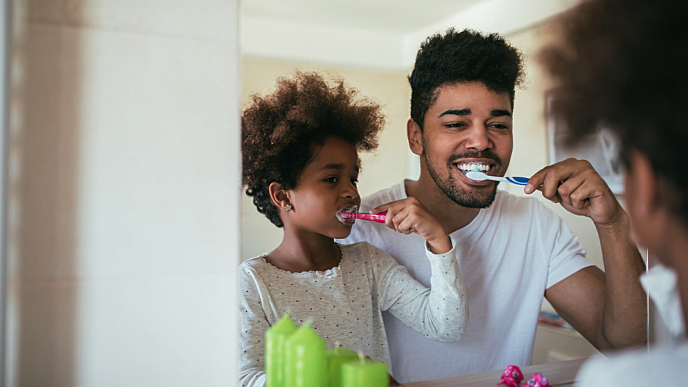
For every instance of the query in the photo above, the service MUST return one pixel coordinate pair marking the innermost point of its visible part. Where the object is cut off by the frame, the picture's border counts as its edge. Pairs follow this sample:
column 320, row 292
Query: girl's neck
column 305, row 252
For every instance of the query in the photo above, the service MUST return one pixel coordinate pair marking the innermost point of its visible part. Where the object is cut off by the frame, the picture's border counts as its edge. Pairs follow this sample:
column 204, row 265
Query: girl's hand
column 410, row 216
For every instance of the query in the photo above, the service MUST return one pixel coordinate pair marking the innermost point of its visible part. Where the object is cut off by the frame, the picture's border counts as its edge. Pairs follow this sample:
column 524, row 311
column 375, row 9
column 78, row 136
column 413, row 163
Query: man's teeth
column 467, row 167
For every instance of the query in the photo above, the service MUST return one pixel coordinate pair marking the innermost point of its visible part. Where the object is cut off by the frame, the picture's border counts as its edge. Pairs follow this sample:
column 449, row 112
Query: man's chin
column 470, row 199
column 476, row 203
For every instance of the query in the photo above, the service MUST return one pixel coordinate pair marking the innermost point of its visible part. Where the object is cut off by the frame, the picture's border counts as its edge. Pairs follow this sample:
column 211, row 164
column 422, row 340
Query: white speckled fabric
column 346, row 303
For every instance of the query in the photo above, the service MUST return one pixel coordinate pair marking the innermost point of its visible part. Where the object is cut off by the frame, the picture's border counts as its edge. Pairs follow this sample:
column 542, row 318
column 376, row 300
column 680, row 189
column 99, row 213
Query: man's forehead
column 469, row 95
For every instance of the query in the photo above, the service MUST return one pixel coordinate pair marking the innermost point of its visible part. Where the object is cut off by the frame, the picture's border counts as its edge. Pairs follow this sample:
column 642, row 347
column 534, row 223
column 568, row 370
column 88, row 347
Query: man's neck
column 452, row 216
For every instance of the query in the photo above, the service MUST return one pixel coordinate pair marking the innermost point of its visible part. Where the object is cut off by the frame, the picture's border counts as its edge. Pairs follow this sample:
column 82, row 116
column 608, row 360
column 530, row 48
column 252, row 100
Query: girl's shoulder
column 253, row 263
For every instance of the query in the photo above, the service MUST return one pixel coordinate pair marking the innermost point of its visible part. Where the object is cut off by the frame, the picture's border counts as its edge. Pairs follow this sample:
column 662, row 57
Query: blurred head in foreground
column 622, row 66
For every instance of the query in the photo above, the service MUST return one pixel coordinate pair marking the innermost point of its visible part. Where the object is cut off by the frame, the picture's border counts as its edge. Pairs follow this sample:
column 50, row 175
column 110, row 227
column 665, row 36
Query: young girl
column 301, row 165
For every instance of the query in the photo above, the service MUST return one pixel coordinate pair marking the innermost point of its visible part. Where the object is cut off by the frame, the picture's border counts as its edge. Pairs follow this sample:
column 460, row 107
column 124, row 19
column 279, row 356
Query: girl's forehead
column 336, row 150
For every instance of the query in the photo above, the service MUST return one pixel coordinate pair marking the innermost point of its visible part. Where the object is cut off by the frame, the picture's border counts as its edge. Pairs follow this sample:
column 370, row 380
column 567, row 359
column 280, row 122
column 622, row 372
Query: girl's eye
column 354, row 182
column 331, row 179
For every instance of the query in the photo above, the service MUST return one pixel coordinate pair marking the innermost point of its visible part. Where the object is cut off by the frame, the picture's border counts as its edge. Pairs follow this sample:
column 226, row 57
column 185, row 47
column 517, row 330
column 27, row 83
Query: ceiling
column 396, row 16
column 375, row 34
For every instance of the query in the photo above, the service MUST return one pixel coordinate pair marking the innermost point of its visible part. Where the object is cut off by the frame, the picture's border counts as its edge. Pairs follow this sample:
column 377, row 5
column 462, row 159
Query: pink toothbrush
column 380, row 218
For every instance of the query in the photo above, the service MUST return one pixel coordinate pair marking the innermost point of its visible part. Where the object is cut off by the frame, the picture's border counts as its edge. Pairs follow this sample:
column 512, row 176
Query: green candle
column 275, row 336
column 305, row 364
column 364, row 373
column 335, row 358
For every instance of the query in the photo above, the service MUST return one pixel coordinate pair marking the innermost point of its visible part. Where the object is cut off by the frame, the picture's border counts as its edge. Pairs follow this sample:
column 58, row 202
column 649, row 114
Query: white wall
column 123, row 195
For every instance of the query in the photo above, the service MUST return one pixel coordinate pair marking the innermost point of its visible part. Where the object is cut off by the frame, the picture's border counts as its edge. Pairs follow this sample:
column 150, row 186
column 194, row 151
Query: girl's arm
column 439, row 313
column 253, row 323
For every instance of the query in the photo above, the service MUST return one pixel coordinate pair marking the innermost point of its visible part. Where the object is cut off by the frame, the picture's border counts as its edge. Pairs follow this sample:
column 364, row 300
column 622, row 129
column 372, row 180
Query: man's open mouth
column 486, row 168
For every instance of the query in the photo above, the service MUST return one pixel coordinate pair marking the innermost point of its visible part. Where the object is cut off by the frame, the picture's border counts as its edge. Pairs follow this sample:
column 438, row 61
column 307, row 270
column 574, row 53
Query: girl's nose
column 350, row 191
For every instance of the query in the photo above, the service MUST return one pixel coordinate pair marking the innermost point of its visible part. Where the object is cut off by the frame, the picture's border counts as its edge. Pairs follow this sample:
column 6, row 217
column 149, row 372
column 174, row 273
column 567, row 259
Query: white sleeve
column 439, row 313
column 253, row 323
column 566, row 254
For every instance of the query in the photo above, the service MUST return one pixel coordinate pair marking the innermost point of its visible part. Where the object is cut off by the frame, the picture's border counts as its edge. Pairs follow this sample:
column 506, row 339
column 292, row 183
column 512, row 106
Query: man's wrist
column 620, row 222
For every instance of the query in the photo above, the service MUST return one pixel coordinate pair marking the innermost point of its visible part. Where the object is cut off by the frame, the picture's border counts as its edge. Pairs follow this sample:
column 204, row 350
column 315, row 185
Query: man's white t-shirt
column 508, row 255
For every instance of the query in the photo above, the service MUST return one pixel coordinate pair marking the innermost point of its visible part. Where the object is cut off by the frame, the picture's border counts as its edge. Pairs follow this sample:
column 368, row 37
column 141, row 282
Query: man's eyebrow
column 500, row 113
column 456, row 112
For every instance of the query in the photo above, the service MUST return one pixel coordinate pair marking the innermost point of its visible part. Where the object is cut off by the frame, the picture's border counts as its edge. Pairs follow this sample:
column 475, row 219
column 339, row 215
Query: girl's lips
column 346, row 220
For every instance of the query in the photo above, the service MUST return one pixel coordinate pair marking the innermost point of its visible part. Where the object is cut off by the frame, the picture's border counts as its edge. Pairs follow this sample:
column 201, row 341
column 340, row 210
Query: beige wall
column 123, row 235
column 381, row 169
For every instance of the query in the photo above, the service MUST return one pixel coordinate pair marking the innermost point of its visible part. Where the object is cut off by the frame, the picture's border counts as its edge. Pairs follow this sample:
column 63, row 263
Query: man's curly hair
column 282, row 131
column 622, row 66
column 465, row 56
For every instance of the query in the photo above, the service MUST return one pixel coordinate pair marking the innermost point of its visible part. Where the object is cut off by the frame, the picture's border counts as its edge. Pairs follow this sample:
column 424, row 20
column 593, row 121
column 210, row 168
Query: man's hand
column 608, row 307
column 410, row 216
column 582, row 190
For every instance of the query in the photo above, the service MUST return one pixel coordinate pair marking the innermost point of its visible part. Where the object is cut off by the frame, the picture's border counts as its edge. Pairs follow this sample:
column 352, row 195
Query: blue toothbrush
column 479, row 176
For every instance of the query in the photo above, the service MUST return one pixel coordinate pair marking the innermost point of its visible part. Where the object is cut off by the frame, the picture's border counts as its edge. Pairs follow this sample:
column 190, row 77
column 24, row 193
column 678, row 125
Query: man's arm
column 608, row 308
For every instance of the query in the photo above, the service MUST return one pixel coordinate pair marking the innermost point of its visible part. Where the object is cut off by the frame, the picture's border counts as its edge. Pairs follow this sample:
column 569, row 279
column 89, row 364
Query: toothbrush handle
column 379, row 218
column 517, row 180
column 522, row 180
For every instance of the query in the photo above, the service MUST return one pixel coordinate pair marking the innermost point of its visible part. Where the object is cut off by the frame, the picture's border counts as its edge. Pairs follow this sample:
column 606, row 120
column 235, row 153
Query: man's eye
column 331, row 179
column 455, row 125
column 500, row 126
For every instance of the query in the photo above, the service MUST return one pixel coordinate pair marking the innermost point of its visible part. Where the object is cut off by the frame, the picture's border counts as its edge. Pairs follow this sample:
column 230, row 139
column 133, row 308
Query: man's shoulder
column 395, row 192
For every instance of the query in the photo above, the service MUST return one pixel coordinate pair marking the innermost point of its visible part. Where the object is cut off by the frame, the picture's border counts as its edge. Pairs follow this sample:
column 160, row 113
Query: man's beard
column 451, row 188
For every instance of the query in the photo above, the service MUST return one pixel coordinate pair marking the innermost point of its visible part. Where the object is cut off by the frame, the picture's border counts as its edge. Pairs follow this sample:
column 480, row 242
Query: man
column 511, row 250
column 623, row 66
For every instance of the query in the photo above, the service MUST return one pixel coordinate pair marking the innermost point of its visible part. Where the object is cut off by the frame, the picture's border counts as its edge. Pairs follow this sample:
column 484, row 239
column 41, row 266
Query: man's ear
column 415, row 137
column 278, row 196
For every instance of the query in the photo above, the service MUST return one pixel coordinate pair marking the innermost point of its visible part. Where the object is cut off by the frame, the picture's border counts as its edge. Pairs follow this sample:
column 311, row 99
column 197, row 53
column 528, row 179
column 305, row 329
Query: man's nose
column 478, row 138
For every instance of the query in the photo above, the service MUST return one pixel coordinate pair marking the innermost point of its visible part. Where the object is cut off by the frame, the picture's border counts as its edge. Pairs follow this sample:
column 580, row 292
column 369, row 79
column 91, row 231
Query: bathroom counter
column 560, row 374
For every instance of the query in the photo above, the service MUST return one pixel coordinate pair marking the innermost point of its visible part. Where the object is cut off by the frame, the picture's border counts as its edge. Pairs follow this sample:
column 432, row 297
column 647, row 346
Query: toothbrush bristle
column 475, row 175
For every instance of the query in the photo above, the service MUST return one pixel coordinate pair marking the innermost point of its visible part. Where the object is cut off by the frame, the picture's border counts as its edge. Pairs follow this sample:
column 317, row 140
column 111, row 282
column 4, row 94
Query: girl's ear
column 648, row 211
column 278, row 196
column 414, row 137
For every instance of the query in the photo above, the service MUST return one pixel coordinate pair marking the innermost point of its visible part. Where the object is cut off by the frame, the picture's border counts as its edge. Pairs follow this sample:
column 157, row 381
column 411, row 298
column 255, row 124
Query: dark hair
column 623, row 66
column 465, row 56
column 281, row 131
